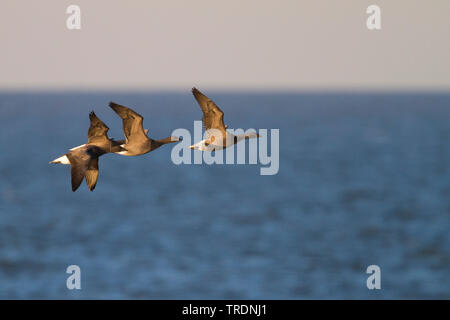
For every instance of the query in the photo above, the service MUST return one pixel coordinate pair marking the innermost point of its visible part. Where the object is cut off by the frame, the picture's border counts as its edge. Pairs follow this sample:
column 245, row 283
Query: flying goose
column 217, row 137
column 137, row 142
column 84, row 159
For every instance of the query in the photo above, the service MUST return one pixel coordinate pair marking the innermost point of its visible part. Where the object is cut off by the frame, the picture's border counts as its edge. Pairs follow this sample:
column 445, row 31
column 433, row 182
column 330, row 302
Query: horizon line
column 226, row 89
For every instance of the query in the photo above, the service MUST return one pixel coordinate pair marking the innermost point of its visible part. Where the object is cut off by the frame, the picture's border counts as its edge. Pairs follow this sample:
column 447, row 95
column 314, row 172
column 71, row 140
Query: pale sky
column 232, row 44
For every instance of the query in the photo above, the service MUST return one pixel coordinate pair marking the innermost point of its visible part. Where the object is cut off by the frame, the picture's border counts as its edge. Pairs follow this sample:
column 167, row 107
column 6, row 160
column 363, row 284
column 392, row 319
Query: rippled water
column 364, row 179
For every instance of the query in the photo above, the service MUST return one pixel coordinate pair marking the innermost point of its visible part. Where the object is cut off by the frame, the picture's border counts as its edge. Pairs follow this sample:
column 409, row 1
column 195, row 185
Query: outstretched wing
column 212, row 115
column 98, row 131
column 131, row 122
column 80, row 160
column 91, row 174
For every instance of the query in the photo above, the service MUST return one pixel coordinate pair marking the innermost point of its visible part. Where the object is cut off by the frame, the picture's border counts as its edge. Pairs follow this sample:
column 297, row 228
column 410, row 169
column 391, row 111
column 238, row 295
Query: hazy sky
column 232, row 44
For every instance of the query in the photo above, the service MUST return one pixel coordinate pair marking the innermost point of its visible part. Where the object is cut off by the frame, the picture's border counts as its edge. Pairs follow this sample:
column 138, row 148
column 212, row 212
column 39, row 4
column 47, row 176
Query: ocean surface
column 364, row 179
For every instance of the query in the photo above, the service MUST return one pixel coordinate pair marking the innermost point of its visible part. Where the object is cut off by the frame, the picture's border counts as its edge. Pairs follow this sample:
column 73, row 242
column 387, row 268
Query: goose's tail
column 63, row 160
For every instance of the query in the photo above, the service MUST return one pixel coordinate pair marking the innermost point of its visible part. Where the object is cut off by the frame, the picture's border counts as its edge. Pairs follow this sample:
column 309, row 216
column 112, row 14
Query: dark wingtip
column 119, row 109
column 194, row 89
column 115, row 106
column 91, row 188
column 74, row 188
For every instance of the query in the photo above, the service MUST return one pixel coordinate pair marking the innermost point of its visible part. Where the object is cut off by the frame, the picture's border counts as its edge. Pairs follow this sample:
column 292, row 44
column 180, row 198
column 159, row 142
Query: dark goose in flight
column 137, row 142
column 84, row 159
column 217, row 137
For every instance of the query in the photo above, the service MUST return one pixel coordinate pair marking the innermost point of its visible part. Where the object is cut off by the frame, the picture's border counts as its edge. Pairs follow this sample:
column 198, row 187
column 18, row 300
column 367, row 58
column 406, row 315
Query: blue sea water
column 364, row 179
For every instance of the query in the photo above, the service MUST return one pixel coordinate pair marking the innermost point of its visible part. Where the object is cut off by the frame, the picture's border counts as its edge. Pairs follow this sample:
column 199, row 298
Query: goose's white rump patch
column 62, row 160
